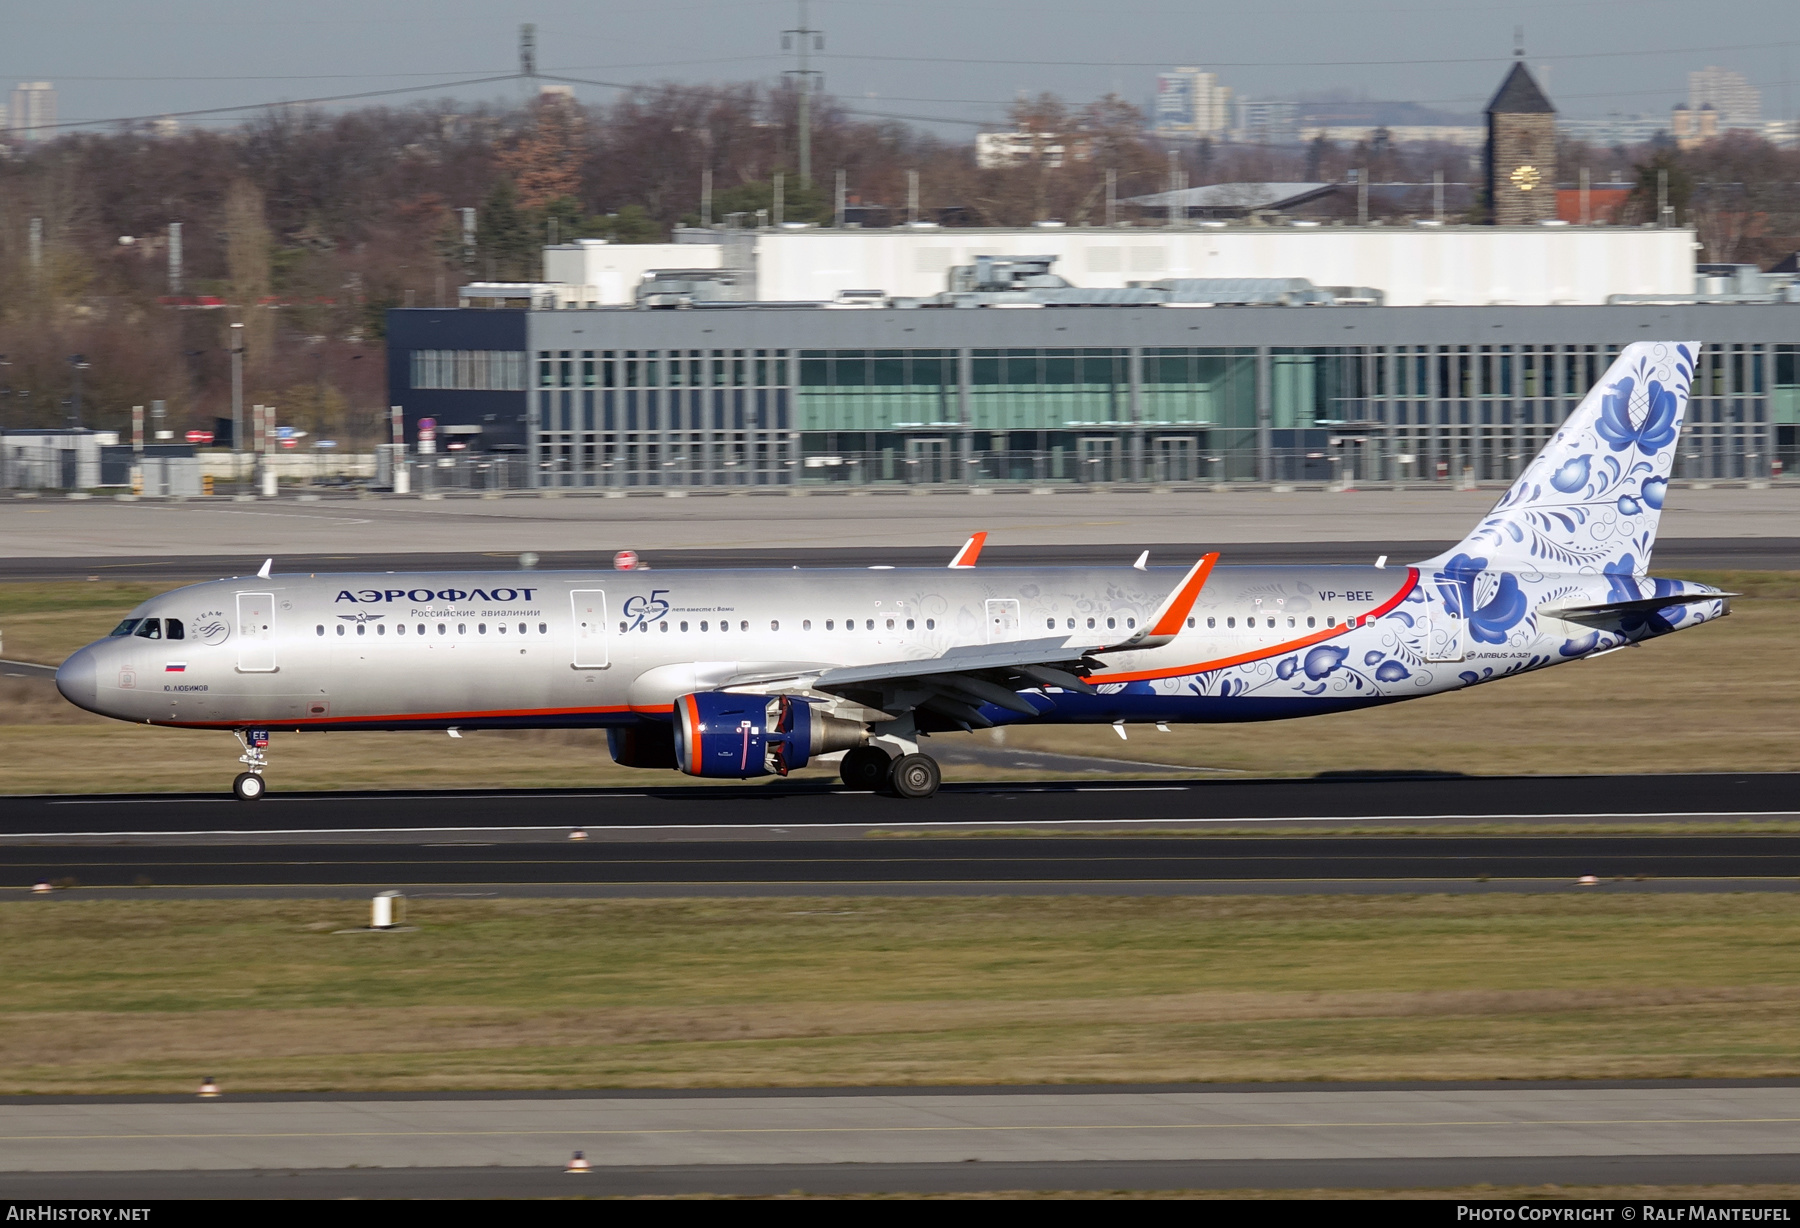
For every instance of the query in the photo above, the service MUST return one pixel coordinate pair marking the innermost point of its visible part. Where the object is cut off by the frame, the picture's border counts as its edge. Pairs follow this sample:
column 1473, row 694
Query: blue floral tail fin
column 1590, row 501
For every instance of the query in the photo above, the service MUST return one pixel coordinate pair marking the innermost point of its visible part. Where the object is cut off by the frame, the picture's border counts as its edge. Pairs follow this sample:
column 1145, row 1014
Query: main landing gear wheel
column 248, row 787
column 915, row 776
column 865, row 767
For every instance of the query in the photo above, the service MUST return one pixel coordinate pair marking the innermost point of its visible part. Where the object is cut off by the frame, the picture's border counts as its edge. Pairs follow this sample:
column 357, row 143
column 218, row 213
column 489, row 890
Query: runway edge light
column 577, row 1164
column 208, row 1089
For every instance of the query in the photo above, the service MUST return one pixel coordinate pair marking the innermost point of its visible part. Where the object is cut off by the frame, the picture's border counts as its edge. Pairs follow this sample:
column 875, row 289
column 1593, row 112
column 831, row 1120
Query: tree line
column 307, row 226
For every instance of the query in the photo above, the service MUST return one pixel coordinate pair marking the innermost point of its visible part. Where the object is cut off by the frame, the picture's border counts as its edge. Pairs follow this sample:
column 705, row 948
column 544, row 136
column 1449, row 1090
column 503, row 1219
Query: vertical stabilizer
column 1590, row 501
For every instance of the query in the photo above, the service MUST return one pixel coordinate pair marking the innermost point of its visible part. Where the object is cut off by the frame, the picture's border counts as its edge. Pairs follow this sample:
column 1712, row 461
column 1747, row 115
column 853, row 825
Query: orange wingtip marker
column 970, row 552
column 1175, row 609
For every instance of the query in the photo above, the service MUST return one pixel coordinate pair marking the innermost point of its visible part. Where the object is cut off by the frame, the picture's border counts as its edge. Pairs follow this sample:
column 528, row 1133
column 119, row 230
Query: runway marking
column 812, row 886
column 790, row 826
column 664, row 1131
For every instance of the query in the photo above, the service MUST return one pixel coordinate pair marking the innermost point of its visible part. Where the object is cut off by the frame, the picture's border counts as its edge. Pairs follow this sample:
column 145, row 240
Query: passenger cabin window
column 130, row 625
column 1090, row 625
column 744, row 625
column 1049, row 623
column 1111, row 623
column 1311, row 621
column 702, row 624
column 340, row 628
column 543, row 628
column 321, row 628
column 150, row 629
column 909, row 624
column 684, row 625
column 774, row 625
column 806, row 624
column 1231, row 622
column 829, row 625
column 380, row 628
column 1190, row 624
column 362, row 628
column 663, row 626
column 1211, row 623
column 1331, row 622
column 931, row 624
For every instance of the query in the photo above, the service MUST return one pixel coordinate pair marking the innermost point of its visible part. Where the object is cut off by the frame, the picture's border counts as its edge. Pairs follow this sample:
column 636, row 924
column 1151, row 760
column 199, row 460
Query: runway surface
column 1232, row 836
column 701, row 810
column 1108, row 521
column 918, row 1139
column 1672, row 555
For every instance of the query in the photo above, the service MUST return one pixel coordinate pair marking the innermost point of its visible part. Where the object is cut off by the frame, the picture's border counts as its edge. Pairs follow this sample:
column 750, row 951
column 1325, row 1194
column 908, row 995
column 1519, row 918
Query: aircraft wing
column 956, row 683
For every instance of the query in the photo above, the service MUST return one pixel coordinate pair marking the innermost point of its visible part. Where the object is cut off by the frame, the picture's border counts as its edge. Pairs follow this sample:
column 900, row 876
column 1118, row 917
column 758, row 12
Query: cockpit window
column 127, row 627
column 173, row 630
column 150, row 629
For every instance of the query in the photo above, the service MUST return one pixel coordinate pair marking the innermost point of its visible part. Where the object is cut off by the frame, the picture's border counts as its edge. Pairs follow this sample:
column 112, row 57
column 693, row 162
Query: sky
column 961, row 60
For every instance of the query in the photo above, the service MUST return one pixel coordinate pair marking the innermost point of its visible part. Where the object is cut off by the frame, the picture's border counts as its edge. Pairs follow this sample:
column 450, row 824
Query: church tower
column 1521, row 152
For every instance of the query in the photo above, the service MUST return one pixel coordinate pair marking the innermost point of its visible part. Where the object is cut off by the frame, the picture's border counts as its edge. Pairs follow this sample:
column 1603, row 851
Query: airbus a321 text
column 743, row 673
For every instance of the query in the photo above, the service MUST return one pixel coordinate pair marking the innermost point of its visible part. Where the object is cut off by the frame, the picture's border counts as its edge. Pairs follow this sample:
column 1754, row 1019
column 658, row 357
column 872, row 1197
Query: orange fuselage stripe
column 1244, row 658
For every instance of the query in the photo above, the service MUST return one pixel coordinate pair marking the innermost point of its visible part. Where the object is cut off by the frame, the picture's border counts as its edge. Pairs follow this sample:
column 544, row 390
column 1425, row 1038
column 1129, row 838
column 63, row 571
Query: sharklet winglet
column 971, row 550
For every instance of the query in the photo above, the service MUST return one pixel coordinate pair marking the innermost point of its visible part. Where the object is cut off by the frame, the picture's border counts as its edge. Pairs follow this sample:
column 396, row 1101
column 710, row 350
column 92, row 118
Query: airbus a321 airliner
column 742, row 673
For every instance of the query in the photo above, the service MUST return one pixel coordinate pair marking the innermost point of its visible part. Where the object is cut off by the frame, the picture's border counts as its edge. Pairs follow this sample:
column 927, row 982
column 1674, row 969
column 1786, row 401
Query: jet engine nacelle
column 718, row 733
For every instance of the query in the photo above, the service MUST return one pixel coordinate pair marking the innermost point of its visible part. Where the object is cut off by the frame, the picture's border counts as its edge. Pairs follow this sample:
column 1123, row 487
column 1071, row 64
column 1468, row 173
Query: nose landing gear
column 250, row 786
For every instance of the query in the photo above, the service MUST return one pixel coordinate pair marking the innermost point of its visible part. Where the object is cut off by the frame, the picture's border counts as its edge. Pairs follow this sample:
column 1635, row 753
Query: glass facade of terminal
column 1124, row 414
column 765, row 396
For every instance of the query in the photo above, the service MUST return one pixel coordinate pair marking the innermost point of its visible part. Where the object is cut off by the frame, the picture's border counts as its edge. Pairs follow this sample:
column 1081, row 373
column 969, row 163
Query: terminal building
column 1009, row 375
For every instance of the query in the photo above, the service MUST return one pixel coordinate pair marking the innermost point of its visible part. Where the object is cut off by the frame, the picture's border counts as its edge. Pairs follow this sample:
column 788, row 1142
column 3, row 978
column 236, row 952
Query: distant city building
column 997, row 149
column 1738, row 103
column 32, row 115
column 1521, row 152
column 1469, row 137
column 1692, row 127
column 1267, row 121
column 1783, row 132
column 1191, row 103
column 1614, row 129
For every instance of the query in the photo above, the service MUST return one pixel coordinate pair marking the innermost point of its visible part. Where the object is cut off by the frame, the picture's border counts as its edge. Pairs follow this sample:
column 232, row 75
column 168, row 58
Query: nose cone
column 76, row 679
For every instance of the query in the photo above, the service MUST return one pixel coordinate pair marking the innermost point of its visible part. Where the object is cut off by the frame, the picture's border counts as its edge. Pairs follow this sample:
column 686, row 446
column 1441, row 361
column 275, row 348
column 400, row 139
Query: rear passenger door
column 588, row 607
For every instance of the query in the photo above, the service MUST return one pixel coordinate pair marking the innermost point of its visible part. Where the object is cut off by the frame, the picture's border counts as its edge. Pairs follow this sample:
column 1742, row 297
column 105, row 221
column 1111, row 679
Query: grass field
column 144, row 996
column 1724, row 697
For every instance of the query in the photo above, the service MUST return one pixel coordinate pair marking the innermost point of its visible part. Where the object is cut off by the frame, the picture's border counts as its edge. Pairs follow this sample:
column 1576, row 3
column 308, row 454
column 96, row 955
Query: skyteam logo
column 641, row 610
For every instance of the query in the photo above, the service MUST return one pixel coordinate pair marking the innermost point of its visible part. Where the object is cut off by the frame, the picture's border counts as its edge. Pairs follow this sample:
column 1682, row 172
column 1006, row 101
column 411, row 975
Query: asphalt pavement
column 1232, row 836
column 855, row 1140
column 1672, row 555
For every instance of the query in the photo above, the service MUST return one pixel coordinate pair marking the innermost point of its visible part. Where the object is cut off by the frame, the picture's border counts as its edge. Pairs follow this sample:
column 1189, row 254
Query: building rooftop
column 1519, row 95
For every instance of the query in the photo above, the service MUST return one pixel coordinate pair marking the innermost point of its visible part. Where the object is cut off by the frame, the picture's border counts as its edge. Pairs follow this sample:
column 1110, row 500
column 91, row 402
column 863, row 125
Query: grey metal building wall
column 1398, row 393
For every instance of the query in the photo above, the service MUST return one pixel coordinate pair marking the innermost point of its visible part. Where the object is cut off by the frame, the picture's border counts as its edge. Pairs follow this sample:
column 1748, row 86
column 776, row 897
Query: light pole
column 78, row 363
column 5, row 399
column 237, row 400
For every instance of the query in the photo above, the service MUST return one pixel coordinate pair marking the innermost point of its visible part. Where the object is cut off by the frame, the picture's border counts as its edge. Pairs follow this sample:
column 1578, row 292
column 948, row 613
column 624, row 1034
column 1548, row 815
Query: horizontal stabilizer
column 1612, row 611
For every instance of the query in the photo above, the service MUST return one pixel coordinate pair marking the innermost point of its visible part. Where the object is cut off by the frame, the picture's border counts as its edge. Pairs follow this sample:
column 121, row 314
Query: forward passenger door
column 256, row 633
